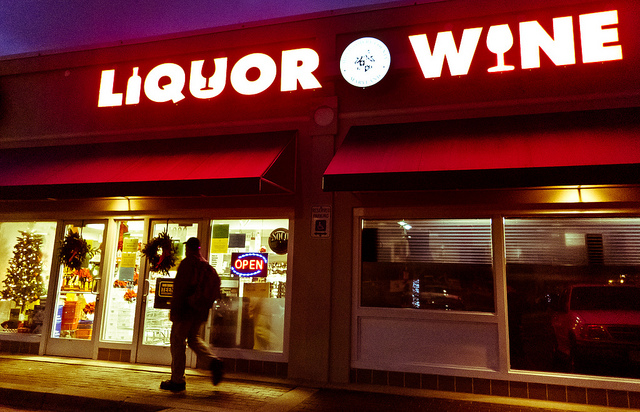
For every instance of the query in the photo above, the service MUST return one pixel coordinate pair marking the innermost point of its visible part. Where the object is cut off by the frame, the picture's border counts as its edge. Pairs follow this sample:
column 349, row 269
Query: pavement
column 44, row 383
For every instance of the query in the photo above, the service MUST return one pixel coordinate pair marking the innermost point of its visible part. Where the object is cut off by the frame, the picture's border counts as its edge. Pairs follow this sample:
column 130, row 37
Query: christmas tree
column 23, row 283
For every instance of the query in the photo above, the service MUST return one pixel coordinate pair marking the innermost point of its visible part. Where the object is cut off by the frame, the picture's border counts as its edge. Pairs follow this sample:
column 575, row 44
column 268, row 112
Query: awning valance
column 203, row 166
column 584, row 148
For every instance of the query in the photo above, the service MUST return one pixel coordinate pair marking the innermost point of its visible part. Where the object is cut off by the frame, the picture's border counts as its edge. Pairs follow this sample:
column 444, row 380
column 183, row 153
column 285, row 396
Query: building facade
column 421, row 196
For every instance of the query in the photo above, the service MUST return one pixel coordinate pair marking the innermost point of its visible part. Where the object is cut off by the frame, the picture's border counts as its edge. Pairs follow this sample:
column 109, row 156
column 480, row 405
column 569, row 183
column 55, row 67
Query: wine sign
column 598, row 38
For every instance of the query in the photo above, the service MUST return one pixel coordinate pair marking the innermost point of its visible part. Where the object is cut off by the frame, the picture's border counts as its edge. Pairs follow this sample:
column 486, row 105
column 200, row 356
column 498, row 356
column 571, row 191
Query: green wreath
column 161, row 253
column 74, row 250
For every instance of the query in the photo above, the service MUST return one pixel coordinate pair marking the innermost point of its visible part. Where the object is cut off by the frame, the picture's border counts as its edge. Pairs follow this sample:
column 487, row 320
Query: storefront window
column 121, row 286
column 26, row 251
column 441, row 264
column 574, row 295
column 78, row 285
column 251, row 258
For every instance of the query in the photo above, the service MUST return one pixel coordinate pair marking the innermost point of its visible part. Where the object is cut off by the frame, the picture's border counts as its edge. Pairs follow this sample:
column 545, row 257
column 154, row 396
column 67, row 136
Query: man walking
column 188, row 318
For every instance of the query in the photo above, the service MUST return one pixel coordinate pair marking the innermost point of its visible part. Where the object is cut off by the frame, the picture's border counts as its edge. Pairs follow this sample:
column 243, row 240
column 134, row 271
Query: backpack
column 207, row 288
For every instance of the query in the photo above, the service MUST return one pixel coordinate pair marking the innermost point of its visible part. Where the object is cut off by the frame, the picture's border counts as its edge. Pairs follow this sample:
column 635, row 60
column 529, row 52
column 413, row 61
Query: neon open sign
column 249, row 264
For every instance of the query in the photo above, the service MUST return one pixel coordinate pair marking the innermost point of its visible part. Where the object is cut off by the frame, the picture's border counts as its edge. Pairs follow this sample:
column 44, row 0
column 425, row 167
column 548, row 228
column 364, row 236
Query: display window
column 26, row 253
column 432, row 264
column 121, row 283
column 80, row 254
column 573, row 292
column 251, row 258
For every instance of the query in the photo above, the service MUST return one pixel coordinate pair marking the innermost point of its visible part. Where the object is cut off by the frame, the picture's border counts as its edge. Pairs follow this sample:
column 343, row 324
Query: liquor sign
column 249, row 264
column 164, row 292
column 297, row 67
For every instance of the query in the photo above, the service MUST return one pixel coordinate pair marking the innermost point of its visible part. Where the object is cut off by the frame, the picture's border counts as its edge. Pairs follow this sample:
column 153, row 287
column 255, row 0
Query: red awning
column 210, row 166
column 521, row 151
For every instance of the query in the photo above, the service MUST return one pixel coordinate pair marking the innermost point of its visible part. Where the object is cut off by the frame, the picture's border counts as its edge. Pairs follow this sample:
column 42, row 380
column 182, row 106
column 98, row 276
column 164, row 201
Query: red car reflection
column 598, row 323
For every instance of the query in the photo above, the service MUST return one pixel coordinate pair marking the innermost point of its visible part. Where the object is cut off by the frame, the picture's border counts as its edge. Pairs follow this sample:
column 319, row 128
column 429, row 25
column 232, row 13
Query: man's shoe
column 216, row 368
column 170, row 385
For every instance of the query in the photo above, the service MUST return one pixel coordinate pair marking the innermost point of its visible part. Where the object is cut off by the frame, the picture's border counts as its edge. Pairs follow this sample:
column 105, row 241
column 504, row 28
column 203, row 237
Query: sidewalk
column 63, row 384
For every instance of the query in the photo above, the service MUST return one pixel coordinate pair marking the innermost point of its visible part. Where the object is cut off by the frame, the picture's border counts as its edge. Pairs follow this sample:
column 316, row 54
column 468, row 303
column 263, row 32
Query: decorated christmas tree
column 23, row 283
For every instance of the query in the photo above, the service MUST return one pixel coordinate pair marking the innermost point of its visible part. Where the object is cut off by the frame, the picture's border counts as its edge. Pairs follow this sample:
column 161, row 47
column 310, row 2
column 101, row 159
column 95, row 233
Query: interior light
column 404, row 225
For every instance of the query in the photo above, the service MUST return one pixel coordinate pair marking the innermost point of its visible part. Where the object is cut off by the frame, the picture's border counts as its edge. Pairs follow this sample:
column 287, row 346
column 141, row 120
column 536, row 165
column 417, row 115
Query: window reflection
column 574, row 295
column 442, row 264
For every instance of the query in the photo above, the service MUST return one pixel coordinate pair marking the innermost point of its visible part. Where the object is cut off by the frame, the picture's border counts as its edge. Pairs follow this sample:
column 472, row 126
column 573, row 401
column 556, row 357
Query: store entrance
column 153, row 340
column 77, row 290
column 105, row 304
column 108, row 304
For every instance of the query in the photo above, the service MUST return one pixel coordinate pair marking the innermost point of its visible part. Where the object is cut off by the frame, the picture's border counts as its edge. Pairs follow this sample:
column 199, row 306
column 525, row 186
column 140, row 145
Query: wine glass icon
column 499, row 41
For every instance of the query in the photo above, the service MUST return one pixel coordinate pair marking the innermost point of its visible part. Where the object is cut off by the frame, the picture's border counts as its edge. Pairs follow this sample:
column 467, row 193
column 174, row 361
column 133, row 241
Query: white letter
column 134, row 84
column 267, row 68
column 298, row 65
column 561, row 51
column 594, row 37
column 202, row 88
column 106, row 96
column 459, row 62
column 171, row 91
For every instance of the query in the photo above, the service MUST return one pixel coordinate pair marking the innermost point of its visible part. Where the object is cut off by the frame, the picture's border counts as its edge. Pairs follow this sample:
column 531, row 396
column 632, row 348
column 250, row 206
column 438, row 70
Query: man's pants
column 181, row 333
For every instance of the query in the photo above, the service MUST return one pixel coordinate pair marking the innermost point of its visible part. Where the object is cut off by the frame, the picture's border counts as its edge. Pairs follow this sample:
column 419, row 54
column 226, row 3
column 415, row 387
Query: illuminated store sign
column 597, row 33
column 366, row 61
column 249, row 264
column 297, row 66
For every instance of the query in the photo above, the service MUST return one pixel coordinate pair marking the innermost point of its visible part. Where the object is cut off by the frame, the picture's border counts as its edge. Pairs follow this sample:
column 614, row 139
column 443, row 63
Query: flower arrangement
column 89, row 308
column 130, row 295
column 119, row 284
column 84, row 274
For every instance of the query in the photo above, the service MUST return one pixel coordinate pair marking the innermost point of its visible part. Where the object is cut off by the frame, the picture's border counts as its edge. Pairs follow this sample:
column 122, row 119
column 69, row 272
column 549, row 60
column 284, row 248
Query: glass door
column 77, row 297
column 121, row 282
column 153, row 346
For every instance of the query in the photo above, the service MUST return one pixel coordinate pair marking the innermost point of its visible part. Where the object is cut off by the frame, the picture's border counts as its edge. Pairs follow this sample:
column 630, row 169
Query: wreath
column 74, row 250
column 161, row 252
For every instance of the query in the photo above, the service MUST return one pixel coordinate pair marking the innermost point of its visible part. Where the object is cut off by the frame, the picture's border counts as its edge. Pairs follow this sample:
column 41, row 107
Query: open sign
column 249, row 264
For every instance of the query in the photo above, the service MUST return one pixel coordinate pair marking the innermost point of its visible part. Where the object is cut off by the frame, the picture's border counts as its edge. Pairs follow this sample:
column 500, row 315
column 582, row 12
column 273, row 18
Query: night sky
column 38, row 26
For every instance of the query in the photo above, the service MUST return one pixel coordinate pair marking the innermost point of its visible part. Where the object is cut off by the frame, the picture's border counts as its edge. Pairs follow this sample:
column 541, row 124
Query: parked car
column 439, row 297
column 598, row 324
